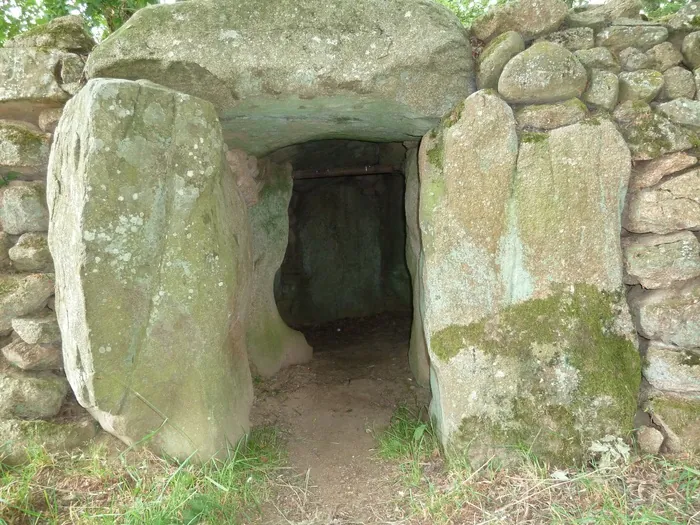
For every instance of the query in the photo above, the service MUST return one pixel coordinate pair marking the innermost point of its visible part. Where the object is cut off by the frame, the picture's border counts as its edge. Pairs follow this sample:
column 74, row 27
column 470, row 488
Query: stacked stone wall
column 39, row 72
column 556, row 68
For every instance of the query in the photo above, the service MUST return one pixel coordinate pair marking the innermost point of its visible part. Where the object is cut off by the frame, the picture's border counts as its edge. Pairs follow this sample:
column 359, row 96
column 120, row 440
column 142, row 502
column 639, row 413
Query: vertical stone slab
column 271, row 343
column 535, row 348
column 152, row 252
column 418, row 357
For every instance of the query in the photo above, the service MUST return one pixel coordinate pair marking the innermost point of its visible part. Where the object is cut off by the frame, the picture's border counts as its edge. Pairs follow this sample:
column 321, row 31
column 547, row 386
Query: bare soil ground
column 328, row 410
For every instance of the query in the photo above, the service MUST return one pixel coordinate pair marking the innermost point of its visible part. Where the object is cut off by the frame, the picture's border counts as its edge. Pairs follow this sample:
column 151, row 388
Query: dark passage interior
column 346, row 253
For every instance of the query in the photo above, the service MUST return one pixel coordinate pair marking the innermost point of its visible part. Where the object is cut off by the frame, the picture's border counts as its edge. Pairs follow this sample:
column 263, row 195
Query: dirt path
column 328, row 410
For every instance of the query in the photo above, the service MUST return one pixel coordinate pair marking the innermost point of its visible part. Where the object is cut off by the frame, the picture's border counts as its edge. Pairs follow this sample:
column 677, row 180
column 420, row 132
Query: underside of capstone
column 282, row 73
column 151, row 245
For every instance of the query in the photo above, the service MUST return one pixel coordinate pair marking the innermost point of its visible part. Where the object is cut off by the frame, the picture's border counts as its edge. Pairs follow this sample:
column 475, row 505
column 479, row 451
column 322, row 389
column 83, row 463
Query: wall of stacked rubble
column 39, row 72
column 556, row 68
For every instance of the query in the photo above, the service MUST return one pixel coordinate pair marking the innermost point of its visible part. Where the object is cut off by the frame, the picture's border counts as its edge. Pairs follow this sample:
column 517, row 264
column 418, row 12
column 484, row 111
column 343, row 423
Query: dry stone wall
column 39, row 72
column 566, row 77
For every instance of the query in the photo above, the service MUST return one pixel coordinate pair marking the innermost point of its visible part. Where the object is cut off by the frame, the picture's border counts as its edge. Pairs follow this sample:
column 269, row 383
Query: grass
column 436, row 490
column 140, row 488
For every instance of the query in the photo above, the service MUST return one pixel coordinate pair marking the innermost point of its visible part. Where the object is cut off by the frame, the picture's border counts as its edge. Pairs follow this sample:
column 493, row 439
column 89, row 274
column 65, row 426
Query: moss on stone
column 569, row 330
column 689, row 358
column 436, row 154
column 533, row 138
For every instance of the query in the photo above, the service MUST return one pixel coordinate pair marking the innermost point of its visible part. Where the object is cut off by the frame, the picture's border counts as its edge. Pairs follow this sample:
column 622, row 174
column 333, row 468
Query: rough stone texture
column 6, row 243
column 643, row 37
column 66, row 32
column 696, row 76
column 33, row 357
column 642, row 85
column 531, row 18
column 686, row 18
column 23, row 208
column 671, row 369
column 38, row 328
column 31, row 253
column 280, row 75
column 492, row 371
column 418, row 357
column 678, row 83
column 28, row 82
column 23, row 148
column 657, row 261
column 646, row 174
column 691, row 50
column 682, row 111
column 603, row 89
column 649, row 440
column 573, row 39
column 495, row 56
column 665, row 56
column 670, row 206
column 21, row 295
column 30, row 395
column 598, row 58
column 670, row 315
column 598, row 16
column 48, row 119
column 648, row 134
column 152, row 272
column 545, row 72
column 550, row 116
column 17, row 435
column 680, row 420
column 271, row 343
column 633, row 59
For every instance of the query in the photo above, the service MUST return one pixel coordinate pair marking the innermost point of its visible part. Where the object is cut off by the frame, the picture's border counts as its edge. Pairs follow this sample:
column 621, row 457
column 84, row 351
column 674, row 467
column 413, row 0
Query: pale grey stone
column 633, row 59
column 649, row 440
column 550, row 116
column 573, row 39
column 33, row 357
column 38, row 328
column 647, row 174
column 598, row 58
column 23, row 148
column 691, row 50
column 603, row 89
column 53, row 436
column 173, row 251
column 531, row 18
column 21, row 295
column 48, row 119
column 543, row 73
column 643, row 37
column 670, row 206
column 66, row 32
column 682, row 111
column 30, row 395
column 686, row 18
column 598, row 16
column 333, row 74
column 495, row 56
column 23, row 208
column 649, row 134
column 673, row 369
column 669, row 315
column 696, row 76
column 31, row 253
column 657, row 261
column 643, row 85
column 678, row 83
column 664, row 56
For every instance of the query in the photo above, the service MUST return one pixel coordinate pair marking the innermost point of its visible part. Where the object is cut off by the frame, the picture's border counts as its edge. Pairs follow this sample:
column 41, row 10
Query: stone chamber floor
column 328, row 411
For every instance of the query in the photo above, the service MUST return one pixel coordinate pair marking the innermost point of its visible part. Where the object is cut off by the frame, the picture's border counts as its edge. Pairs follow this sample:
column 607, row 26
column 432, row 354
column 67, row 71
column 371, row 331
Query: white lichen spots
column 189, row 235
column 88, row 235
column 135, row 196
column 221, row 283
column 104, row 349
column 316, row 39
column 408, row 14
column 190, row 174
column 120, row 198
column 500, row 374
column 98, row 259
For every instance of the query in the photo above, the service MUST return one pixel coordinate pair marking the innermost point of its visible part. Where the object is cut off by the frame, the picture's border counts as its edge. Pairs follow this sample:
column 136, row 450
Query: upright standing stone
column 418, row 357
column 151, row 247
column 521, row 273
column 271, row 343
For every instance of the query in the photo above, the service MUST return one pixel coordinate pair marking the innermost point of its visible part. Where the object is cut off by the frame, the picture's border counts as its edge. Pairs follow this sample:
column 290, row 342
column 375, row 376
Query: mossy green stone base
column 553, row 375
column 682, row 416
